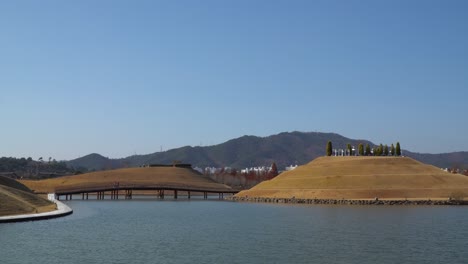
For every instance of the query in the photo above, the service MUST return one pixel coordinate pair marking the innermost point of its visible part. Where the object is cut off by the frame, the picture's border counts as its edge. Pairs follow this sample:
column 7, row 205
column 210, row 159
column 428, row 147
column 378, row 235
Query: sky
column 131, row 77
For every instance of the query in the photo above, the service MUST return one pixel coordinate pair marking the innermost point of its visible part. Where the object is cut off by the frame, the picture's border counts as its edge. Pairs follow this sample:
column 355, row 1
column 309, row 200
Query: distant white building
column 289, row 168
column 257, row 170
column 200, row 170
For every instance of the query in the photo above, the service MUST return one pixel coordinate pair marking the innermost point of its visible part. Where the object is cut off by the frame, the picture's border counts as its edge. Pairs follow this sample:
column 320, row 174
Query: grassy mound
column 168, row 176
column 363, row 178
column 15, row 198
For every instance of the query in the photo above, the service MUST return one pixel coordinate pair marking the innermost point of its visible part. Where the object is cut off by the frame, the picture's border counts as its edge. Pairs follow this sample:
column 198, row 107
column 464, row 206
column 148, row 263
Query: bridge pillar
column 205, row 195
column 87, row 196
column 175, row 194
column 128, row 194
column 188, row 194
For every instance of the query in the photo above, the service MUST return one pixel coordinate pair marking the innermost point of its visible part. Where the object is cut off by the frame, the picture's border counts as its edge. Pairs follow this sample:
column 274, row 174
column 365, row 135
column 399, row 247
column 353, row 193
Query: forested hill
column 247, row 151
column 18, row 168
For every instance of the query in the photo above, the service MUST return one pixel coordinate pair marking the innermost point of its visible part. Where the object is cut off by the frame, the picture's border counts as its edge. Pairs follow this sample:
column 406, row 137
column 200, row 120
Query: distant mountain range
column 248, row 151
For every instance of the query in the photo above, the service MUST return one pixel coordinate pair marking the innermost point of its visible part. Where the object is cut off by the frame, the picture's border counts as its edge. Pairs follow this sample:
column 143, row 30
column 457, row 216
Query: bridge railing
column 99, row 187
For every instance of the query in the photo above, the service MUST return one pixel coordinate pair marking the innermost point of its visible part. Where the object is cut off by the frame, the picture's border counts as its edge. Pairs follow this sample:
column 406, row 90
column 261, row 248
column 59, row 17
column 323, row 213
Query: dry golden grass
column 363, row 178
column 17, row 199
column 177, row 177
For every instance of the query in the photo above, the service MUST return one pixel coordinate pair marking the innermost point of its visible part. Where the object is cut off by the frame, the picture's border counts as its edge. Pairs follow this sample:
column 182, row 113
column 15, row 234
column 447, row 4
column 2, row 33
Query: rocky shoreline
column 375, row 201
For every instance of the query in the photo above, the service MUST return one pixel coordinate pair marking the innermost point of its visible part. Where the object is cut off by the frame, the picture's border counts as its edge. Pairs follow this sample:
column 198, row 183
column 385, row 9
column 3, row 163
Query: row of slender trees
column 380, row 150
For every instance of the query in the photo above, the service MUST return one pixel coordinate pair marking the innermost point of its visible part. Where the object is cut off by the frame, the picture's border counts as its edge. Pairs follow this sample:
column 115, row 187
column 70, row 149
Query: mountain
column 94, row 161
column 247, row 151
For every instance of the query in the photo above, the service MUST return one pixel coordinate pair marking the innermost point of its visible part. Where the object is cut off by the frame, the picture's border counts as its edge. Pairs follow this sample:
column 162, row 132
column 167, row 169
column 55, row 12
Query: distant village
column 244, row 178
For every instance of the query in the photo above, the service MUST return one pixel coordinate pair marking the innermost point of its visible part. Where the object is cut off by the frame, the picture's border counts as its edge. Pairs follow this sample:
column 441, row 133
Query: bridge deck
column 128, row 190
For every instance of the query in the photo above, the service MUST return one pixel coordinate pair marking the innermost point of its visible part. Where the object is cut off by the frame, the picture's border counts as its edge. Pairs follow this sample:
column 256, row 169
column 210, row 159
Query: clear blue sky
column 125, row 77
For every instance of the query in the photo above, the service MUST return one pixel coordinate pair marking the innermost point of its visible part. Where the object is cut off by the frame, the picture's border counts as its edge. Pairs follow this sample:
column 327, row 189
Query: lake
column 198, row 231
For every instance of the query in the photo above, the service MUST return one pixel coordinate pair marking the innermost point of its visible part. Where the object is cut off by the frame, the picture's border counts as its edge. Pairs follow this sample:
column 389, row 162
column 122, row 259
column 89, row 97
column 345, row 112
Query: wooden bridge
column 126, row 191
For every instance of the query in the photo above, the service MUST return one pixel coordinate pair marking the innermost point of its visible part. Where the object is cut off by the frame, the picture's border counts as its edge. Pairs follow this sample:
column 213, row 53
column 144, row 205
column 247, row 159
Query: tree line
column 27, row 168
column 381, row 150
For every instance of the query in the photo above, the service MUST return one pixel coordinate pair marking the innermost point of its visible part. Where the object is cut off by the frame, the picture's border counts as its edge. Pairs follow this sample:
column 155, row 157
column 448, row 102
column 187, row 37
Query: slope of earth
column 16, row 199
column 148, row 176
column 363, row 178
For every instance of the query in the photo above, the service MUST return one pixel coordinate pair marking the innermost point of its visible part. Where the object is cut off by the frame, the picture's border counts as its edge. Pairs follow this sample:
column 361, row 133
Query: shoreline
column 317, row 201
column 62, row 210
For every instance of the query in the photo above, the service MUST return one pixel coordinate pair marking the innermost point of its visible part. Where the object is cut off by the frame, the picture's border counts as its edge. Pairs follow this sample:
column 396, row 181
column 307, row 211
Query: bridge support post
column 175, row 194
column 188, row 195
column 205, row 195
column 128, row 194
column 87, row 196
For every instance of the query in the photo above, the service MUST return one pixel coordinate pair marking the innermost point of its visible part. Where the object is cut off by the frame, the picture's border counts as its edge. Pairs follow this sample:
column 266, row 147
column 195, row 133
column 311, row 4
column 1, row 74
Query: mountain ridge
column 285, row 148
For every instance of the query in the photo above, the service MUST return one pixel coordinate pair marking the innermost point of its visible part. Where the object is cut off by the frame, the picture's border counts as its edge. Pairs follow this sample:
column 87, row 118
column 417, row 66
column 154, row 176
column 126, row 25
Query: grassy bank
column 363, row 178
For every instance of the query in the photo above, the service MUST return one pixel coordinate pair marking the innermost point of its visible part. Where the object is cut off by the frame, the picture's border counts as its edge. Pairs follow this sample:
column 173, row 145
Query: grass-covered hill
column 247, row 151
column 15, row 198
column 363, row 178
column 148, row 176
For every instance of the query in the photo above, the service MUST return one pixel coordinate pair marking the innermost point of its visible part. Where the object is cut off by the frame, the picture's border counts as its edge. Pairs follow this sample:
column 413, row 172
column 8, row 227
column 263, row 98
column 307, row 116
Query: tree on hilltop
column 361, row 149
column 377, row 151
column 329, row 148
column 273, row 172
column 385, row 150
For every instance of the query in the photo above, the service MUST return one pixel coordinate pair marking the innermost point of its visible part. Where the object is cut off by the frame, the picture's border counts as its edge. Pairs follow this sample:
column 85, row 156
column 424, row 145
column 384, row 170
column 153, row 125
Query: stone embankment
column 375, row 201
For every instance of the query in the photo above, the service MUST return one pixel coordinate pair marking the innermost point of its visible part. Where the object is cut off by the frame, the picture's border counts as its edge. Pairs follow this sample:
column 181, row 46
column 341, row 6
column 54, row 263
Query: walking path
column 62, row 210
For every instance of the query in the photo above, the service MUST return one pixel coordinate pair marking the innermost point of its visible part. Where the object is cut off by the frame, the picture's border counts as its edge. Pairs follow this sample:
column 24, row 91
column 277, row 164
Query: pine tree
column 376, row 151
column 350, row 150
column 368, row 150
column 273, row 172
column 329, row 148
column 398, row 149
column 392, row 150
column 361, row 149
column 385, row 150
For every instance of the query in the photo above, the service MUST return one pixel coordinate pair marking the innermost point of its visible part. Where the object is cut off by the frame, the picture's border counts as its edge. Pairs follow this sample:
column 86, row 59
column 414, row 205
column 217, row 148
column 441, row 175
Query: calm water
column 225, row 232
